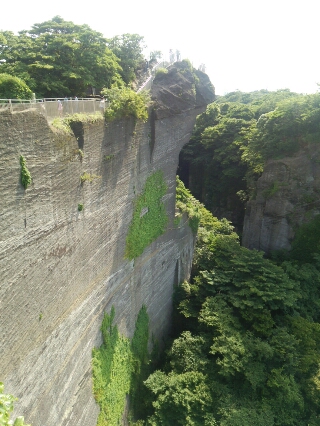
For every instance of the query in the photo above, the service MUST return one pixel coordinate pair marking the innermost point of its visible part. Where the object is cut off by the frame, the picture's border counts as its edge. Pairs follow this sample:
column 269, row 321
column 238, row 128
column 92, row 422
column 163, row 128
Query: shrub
column 161, row 71
column 185, row 202
column 13, row 88
column 88, row 177
column 124, row 102
column 25, row 174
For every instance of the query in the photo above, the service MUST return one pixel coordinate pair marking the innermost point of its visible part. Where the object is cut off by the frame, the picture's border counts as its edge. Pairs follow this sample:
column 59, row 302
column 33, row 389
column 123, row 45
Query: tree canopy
column 236, row 135
column 60, row 58
column 249, row 347
column 128, row 48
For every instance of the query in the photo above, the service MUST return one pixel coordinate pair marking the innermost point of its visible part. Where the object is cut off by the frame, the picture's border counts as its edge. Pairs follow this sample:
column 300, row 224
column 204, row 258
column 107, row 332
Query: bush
column 25, row 174
column 161, row 71
column 124, row 102
column 13, row 88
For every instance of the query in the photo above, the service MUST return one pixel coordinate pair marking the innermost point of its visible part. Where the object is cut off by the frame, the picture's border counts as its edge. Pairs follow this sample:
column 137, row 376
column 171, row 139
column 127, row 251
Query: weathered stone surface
column 181, row 89
column 62, row 268
column 288, row 194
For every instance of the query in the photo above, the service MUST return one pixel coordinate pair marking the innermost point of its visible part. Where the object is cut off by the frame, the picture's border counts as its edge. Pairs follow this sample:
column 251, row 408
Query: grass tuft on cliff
column 63, row 124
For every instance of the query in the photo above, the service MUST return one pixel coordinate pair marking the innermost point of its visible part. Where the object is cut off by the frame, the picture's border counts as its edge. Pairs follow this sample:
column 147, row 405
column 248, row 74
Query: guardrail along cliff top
column 52, row 108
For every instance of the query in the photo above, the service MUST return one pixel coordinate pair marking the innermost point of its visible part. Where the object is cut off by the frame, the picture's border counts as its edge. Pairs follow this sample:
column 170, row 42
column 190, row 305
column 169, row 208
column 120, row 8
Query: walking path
column 52, row 108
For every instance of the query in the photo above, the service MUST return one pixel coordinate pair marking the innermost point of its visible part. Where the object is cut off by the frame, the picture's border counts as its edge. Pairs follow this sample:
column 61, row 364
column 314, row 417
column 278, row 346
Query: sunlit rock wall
column 287, row 195
column 61, row 268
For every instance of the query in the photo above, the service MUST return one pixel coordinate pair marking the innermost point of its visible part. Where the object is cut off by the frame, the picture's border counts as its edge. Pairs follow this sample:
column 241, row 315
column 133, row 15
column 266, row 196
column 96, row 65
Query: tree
column 58, row 58
column 250, row 348
column 128, row 48
column 181, row 399
column 213, row 158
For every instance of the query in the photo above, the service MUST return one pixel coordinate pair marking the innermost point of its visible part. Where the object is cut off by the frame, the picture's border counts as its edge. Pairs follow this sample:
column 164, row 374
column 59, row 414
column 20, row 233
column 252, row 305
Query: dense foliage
column 234, row 138
column 112, row 368
column 59, row 58
column 186, row 203
column 128, row 48
column 249, row 349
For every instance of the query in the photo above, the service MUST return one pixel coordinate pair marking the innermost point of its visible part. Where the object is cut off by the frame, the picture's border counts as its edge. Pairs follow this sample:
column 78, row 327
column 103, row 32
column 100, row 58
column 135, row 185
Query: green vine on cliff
column 119, row 367
column 25, row 174
column 112, row 368
column 6, row 407
column 149, row 217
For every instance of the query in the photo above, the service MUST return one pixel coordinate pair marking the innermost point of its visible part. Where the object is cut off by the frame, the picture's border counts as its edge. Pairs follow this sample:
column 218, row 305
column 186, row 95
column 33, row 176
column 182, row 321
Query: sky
column 245, row 45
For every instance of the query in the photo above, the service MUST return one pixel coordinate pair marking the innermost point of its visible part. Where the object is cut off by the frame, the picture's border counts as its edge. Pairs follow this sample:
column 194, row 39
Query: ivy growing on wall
column 112, row 369
column 25, row 174
column 6, row 407
column 149, row 216
column 119, row 367
column 141, row 364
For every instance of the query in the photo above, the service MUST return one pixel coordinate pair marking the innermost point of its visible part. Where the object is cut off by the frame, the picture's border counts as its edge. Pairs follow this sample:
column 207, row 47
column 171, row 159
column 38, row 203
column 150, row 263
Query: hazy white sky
column 245, row 44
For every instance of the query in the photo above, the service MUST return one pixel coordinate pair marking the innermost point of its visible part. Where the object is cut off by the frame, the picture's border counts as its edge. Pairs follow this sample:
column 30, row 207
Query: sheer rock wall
column 61, row 268
column 287, row 195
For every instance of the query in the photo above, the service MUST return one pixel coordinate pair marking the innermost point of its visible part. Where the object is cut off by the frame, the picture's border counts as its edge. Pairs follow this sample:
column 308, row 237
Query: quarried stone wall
column 287, row 195
column 62, row 268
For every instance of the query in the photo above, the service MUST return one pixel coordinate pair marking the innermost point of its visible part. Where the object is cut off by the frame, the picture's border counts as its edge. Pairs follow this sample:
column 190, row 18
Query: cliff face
column 61, row 268
column 287, row 195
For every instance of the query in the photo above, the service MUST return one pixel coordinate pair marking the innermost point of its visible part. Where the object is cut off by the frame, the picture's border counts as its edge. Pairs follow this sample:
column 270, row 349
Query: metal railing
column 52, row 108
column 148, row 83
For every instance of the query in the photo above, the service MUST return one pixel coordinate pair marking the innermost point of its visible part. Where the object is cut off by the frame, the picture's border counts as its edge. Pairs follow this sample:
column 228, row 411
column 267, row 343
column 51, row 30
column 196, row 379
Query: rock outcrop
column 180, row 90
column 63, row 267
column 287, row 195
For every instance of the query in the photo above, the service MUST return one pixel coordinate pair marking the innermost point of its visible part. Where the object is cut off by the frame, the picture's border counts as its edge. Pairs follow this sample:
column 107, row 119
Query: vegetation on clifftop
column 124, row 102
column 13, row 88
column 59, row 58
